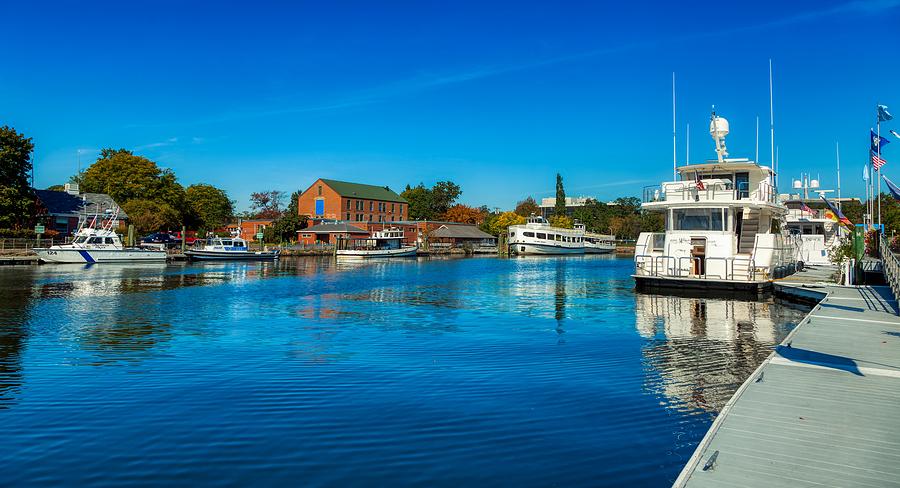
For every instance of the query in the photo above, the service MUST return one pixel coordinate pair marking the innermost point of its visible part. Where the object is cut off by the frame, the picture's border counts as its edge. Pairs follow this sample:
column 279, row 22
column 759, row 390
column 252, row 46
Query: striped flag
column 877, row 161
column 895, row 192
column 835, row 213
column 805, row 208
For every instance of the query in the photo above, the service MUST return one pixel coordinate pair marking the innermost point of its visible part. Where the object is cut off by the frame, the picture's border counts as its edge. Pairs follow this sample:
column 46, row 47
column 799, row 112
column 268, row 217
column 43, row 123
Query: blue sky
column 497, row 97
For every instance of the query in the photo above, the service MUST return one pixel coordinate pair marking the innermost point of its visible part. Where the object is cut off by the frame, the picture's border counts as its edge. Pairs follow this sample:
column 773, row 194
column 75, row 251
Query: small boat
column 596, row 243
column 227, row 249
column 385, row 243
column 537, row 236
column 98, row 243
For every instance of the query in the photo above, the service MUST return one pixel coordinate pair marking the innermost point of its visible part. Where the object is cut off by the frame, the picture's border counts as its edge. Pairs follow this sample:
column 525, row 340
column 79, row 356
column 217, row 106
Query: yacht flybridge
column 724, row 226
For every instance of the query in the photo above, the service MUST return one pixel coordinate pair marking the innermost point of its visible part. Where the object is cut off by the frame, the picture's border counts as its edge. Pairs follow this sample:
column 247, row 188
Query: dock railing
column 687, row 191
column 890, row 264
column 26, row 244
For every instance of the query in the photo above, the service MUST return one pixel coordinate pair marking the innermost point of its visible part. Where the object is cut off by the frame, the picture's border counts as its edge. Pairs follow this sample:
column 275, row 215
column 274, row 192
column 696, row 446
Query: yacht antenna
column 837, row 150
column 757, row 140
column 674, row 157
column 718, row 129
column 772, row 127
column 688, row 140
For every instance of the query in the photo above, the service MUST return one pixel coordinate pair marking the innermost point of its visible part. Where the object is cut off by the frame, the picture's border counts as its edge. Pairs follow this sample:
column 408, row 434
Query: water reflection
column 15, row 313
column 699, row 350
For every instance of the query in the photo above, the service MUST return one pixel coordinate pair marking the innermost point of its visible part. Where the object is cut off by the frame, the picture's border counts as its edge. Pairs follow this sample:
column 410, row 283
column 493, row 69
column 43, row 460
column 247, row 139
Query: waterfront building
column 60, row 210
column 352, row 202
column 248, row 228
column 456, row 236
column 548, row 205
column 330, row 232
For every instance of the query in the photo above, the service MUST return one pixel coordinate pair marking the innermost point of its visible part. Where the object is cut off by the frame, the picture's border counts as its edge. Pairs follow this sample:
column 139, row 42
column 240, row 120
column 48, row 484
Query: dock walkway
column 824, row 408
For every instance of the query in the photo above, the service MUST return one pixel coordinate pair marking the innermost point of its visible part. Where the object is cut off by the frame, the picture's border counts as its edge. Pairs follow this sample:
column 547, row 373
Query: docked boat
column 227, row 249
column 597, row 243
column 537, row 236
column 385, row 243
column 724, row 227
column 807, row 218
column 97, row 242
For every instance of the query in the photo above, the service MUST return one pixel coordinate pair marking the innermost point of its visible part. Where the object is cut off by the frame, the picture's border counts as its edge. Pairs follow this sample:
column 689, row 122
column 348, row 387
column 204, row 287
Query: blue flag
column 883, row 114
column 895, row 192
column 877, row 141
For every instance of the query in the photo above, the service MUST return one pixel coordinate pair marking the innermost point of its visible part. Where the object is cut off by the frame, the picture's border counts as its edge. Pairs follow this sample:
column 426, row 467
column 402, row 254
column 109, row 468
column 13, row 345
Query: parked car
column 160, row 239
column 189, row 238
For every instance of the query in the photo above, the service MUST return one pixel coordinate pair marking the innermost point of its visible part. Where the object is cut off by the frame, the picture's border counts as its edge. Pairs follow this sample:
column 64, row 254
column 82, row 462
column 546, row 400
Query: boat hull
column 598, row 250
column 198, row 255
column 545, row 249
column 81, row 256
column 402, row 252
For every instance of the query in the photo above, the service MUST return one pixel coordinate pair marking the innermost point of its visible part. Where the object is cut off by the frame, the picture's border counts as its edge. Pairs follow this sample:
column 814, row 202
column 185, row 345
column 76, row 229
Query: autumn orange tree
column 464, row 214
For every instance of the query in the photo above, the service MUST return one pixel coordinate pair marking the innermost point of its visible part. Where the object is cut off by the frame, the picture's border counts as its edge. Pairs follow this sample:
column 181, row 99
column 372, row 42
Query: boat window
column 95, row 240
column 79, row 240
column 109, row 240
column 226, row 243
column 528, row 234
column 558, row 237
column 659, row 242
column 541, row 235
column 698, row 219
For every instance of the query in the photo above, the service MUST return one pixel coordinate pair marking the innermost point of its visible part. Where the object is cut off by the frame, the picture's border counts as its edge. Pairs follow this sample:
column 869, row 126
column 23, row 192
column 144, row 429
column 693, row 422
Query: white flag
column 866, row 172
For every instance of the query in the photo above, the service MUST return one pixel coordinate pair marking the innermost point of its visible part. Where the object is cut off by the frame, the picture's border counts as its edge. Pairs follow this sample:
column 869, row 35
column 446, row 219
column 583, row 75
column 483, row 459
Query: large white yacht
column 596, row 243
column 725, row 228
column 384, row 243
column 537, row 236
column 227, row 249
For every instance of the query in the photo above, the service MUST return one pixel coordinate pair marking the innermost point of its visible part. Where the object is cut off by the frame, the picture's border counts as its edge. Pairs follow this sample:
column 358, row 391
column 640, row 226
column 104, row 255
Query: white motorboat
column 97, row 242
column 537, row 236
column 806, row 218
column 227, row 249
column 725, row 228
column 597, row 243
column 385, row 243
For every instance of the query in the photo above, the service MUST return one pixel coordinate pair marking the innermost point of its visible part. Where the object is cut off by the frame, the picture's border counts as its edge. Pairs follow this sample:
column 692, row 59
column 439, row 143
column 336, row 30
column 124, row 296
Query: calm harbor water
column 438, row 372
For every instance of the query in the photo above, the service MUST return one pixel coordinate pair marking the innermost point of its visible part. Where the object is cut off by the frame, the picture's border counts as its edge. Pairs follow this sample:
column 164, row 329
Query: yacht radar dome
column 718, row 129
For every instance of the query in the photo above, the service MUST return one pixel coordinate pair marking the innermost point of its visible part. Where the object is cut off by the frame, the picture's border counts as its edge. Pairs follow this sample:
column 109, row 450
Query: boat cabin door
column 698, row 256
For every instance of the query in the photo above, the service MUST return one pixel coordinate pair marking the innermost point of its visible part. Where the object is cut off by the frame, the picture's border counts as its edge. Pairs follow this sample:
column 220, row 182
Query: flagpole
column 674, row 156
column 880, row 230
column 688, row 140
column 757, row 139
column 837, row 152
column 772, row 125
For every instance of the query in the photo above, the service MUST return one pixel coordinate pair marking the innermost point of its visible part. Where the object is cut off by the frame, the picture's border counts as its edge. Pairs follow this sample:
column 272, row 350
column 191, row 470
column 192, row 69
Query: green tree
column 431, row 203
column 561, row 221
column 560, row 208
column 210, row 206
column 151, row 215
column 527, row 207
column 56, row 188
column 125, row 177
column 293, row 207
column 16, row 197
column 285, row 228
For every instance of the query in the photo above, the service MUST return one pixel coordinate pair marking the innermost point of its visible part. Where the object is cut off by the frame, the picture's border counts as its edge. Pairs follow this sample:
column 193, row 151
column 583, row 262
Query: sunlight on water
column 523, row 372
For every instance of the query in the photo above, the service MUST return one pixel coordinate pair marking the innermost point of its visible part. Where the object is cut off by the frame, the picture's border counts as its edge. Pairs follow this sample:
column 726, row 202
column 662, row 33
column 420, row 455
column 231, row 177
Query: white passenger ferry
column 385, row 243
column 537, row 236
column 725, row 228
column 97, row 242
column 227, row 249
column 597, row 243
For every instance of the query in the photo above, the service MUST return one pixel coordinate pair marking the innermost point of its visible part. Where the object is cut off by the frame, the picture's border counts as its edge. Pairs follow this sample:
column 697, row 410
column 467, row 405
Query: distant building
column 61, row 210
column 248, row 228
column 352, row 202
column 460, row 235
column 548, row 205
column 330, row 232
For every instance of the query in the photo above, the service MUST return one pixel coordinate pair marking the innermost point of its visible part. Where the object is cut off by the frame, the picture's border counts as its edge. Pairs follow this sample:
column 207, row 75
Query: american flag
column 700, row 185
column 877, row 162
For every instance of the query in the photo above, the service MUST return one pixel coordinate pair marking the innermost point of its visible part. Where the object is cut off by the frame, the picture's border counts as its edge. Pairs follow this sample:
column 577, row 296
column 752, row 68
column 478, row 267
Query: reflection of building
column 703, row 348
column 356, row 202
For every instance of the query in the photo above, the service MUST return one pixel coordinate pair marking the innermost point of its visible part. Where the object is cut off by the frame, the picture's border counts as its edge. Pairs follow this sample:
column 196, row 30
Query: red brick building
column 250, row 227
column 330, row 232
column 351, row 202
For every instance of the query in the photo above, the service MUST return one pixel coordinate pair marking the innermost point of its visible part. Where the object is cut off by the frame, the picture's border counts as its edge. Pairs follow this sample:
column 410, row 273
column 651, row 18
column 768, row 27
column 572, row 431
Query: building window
column 348, row 215
column 371, row 206
column 370, row 217
column 348, row 204
column 320, row 190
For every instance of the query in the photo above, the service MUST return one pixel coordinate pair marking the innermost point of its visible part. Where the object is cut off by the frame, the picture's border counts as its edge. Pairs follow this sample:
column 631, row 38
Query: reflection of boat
column 596, row 243
column 725, row 228
column 227, row 249
column 537, row 236
column 97, row 243
column 385, row 243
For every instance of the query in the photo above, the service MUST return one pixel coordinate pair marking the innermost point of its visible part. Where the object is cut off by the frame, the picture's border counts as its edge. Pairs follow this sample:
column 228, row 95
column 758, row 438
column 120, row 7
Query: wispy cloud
column 434, row 81
column 168, row 142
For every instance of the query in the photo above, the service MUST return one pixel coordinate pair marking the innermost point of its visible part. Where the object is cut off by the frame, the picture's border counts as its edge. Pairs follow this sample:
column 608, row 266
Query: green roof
column 368, row 192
